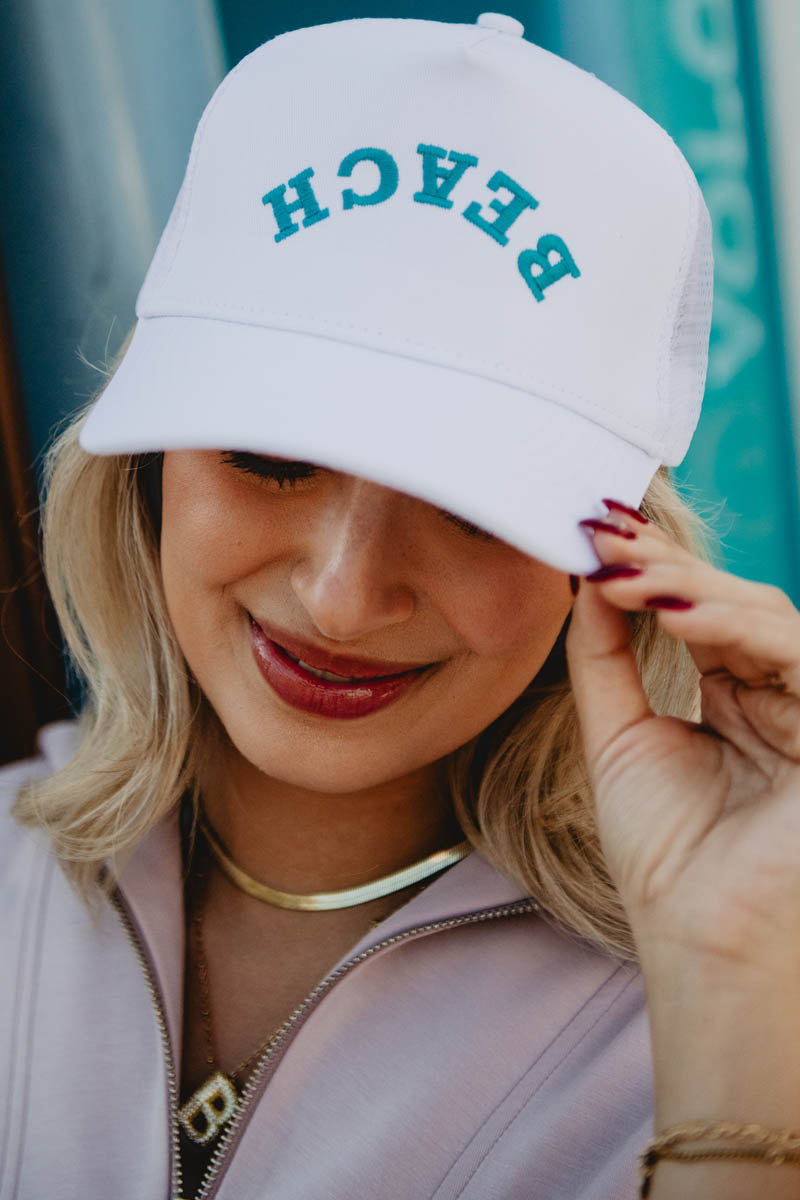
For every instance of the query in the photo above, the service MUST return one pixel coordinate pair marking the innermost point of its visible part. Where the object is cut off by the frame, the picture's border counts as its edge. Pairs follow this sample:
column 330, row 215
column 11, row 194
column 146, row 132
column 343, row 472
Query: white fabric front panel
column 422, row 281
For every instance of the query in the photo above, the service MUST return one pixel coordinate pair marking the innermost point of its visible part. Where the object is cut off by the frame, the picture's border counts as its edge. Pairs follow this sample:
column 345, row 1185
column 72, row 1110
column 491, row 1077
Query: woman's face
column 430, row 627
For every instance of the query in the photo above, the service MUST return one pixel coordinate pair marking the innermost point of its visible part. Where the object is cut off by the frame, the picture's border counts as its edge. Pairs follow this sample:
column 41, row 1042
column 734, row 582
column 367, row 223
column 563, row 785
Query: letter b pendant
column 208, row 1109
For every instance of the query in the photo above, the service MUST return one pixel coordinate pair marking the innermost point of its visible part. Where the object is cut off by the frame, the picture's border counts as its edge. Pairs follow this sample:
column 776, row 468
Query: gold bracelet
column 773, row 1146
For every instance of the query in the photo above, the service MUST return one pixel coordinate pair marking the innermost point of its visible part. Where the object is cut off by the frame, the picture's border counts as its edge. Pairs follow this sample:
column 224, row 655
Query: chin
column 324, row 761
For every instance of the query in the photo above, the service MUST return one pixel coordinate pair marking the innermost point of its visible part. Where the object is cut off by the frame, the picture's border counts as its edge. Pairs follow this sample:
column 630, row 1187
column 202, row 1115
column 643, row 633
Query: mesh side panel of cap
column 688, row 355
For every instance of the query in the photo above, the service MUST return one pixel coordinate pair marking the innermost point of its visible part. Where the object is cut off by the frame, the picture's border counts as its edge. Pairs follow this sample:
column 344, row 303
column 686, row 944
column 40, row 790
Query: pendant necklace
column 212, row 1105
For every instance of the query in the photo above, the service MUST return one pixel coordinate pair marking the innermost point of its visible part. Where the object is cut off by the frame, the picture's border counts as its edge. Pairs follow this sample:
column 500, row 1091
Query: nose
column 351, row 578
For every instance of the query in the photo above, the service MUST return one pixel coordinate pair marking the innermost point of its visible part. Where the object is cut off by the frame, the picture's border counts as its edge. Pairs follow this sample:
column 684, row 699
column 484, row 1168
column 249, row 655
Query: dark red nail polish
column 674, row 602
column 613, row 571
column 574, row 584
column 604, row 527
column 617, row 506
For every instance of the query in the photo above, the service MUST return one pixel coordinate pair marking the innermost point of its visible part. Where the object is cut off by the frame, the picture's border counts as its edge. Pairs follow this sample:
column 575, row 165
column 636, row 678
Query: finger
column 774, row 716
column 616, row 534
column 758, row 647
column 650, row 547
column 753, row 645
column 606, row 683
column 722, row 714
column 751, row 629
column 668, row 563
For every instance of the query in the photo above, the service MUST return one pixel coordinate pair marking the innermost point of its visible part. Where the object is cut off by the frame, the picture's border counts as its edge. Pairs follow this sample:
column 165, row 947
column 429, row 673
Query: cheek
column 516, row 608
column 212, row 534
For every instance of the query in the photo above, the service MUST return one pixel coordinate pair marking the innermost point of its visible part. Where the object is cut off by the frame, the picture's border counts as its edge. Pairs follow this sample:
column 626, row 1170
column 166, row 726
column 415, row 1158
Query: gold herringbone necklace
column 346, row 897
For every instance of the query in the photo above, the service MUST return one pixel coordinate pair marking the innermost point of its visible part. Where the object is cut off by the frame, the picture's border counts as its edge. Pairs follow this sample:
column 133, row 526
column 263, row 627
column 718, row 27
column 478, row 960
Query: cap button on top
column 502, row 23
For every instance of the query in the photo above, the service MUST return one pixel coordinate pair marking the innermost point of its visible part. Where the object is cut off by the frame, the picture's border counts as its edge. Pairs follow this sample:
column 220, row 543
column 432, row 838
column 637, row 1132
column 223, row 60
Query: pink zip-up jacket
column 463, row 1050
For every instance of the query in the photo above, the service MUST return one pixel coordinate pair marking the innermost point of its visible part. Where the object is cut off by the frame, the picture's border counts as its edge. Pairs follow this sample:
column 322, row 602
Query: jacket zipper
column 137, row 942
column 268, row 1062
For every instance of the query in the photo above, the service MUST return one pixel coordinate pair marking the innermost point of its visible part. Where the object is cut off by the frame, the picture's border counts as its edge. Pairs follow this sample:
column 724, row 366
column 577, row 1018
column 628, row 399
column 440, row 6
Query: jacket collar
column 151, row 887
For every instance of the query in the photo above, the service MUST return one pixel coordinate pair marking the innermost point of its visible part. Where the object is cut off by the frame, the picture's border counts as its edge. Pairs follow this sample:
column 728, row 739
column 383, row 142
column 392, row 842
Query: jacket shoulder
column 56, row 743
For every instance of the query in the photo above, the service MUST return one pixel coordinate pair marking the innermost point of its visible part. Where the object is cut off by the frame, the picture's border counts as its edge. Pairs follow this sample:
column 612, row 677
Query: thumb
column 608, row 689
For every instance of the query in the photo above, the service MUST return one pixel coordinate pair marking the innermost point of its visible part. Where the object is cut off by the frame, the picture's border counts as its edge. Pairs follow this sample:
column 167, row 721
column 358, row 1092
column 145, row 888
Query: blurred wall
column 779, row 38
column 98, row 103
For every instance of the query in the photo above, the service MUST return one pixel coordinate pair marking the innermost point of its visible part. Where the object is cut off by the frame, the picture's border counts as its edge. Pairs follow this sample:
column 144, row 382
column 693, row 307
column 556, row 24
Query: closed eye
column 283, row 471
column 467, row 527
column 287, row 472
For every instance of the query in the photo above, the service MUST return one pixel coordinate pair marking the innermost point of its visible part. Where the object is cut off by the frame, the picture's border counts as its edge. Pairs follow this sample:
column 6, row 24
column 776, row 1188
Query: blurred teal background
column 100, row 99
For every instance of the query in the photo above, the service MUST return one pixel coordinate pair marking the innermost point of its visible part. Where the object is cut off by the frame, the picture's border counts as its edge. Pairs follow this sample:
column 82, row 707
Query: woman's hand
column 700, row 823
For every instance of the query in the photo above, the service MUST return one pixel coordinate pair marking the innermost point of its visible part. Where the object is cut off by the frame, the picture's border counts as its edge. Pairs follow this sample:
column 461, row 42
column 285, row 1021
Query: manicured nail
column 617, row 506
column 613, row 571
column 574, row 584
column 673, row 602
column 604, row 527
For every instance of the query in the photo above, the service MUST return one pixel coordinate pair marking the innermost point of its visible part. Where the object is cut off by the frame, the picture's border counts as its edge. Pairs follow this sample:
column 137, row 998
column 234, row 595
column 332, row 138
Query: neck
column 303, row 841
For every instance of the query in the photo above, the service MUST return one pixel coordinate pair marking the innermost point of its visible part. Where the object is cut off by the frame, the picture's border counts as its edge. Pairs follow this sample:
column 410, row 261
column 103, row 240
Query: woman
column 411, row 891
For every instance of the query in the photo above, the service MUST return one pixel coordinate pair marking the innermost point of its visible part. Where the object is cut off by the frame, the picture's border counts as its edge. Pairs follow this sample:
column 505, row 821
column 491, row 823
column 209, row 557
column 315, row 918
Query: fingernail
column 673, row 602
column 617, row 506
column 613, row 571
column 604, row 527
column 574, row 584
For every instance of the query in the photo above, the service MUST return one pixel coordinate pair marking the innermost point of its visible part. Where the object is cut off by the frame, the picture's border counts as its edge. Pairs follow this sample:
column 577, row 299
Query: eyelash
column 467, row 527
column 289, row 471
column 281, row 470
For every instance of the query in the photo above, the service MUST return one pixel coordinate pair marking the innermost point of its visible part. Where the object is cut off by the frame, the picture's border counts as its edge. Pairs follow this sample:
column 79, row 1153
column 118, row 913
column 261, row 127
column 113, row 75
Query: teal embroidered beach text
column 442, row 172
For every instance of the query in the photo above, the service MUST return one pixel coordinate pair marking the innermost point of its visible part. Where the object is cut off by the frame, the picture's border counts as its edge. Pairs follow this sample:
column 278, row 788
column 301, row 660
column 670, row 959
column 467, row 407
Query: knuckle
column 787, row 722
column 776, row 597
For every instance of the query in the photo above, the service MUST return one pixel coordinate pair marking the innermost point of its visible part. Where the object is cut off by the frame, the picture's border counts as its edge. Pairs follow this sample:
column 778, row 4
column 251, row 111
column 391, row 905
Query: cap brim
column 518, row 465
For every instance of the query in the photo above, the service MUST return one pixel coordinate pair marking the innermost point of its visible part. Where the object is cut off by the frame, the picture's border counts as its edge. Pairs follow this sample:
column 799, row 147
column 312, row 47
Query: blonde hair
column 147, row 731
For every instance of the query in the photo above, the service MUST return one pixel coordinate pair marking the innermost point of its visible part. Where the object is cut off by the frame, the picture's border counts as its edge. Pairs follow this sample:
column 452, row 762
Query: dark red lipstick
column 359, row 687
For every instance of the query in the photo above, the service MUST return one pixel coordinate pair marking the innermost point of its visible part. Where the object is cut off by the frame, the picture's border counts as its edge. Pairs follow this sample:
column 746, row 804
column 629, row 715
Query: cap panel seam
column 485, row 35
column 182, row 214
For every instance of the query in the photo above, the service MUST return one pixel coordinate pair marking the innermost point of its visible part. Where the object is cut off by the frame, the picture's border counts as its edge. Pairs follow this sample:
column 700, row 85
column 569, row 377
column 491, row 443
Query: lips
column 346, row 666
column 336, row 686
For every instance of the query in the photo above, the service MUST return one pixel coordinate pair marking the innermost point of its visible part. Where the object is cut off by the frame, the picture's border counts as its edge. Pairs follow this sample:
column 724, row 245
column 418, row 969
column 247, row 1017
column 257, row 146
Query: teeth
column 328, row 675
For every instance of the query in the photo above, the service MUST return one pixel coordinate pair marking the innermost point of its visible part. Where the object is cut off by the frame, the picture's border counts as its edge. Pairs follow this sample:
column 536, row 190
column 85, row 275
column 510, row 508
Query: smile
column 322, row 692
column 329, row 675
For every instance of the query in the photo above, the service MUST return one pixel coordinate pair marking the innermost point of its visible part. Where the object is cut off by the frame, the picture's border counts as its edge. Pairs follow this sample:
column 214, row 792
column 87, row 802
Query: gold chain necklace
column 214, row 1102
column 346, row 897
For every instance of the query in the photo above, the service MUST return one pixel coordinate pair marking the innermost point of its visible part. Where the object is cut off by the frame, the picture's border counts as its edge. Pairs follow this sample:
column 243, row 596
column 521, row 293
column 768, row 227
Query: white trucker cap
column 436, row 256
